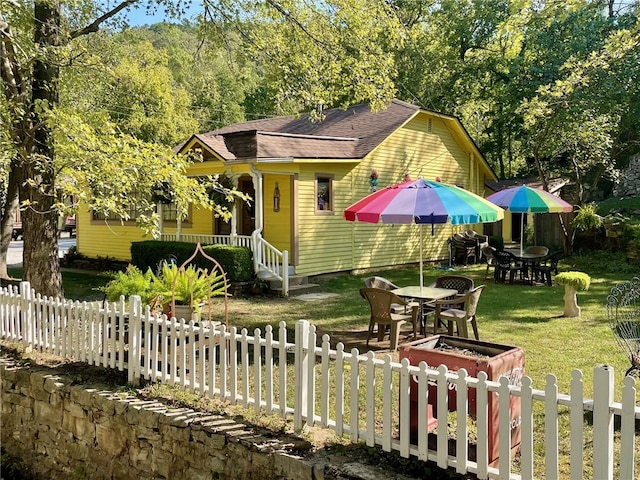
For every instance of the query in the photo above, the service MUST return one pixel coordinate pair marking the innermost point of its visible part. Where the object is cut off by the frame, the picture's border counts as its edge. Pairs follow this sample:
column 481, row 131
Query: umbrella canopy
column 523, row 199
column 423, row 202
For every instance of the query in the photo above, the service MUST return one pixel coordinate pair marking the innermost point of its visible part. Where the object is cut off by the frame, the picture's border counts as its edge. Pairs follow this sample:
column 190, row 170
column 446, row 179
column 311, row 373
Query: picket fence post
column 301, row 359
column 603, row 422
column 26, row 313
column 135, row 328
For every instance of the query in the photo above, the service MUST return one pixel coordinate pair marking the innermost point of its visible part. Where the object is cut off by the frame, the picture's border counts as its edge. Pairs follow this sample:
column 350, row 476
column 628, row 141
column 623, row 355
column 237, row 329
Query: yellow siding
column 329, row 243
column 99, row 239
column 277, row 225
column 325, row 242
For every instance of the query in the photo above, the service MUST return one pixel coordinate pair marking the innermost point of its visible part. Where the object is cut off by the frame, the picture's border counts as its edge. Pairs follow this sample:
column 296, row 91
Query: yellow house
column 302, row 174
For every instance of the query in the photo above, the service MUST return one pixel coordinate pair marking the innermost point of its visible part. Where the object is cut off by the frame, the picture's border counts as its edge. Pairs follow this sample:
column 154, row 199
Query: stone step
column 295, row 290
column 276, row 284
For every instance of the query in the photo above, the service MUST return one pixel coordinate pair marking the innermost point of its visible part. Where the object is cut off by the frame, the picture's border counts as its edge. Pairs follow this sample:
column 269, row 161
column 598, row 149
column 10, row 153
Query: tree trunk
column 40, row 257
column 6, row 225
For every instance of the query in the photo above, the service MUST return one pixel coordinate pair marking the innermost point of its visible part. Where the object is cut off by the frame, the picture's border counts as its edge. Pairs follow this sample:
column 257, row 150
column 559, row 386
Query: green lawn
column 518, row 315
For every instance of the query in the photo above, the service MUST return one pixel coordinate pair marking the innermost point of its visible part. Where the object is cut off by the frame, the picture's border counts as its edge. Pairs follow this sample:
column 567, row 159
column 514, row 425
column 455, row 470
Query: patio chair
column 384, row 284
column 490, row 258
column 380, row 302
column 455, row 282
column 460, row 311
column 463, row 249
column 481, row 241
column 506, row 263
column 548, row 265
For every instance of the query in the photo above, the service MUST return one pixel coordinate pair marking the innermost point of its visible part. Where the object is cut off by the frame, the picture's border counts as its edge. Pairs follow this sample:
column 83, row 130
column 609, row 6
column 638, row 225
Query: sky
column 139, row 16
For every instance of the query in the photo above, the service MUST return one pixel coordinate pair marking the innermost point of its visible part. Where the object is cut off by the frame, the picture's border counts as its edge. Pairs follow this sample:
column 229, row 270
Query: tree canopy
column 92, row 106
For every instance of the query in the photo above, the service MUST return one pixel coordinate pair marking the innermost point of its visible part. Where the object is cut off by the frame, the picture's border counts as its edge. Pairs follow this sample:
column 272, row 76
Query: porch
column 270, row 264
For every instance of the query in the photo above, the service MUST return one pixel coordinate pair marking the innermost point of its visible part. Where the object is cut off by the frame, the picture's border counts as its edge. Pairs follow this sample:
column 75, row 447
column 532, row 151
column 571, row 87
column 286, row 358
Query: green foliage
column 602, row 261
column 577, row 280
column 587, row 218
column 528, row 235
column 237, row 262
column 187, row 286
column 324, row 54
column 131, row 282
column 623, row 206
column 497, row 242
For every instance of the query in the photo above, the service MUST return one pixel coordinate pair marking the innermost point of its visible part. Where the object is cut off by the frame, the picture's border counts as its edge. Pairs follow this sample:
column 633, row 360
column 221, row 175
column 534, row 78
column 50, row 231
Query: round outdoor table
column 528, row 261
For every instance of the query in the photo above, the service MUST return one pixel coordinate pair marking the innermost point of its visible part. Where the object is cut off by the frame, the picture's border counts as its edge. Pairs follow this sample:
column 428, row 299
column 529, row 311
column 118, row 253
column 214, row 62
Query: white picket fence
column 360, row 396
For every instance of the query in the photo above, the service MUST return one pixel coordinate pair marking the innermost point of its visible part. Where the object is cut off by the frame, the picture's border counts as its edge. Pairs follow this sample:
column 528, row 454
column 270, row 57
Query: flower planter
column 181, row 311
column 493, row 359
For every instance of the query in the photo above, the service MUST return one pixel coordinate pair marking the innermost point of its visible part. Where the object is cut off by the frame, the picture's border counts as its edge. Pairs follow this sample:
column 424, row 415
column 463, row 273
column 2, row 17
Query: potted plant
column 183, row 290
column 573, row 282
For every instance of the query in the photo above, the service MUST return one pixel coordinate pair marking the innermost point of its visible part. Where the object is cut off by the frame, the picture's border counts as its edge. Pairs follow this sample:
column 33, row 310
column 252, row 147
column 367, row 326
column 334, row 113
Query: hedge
column 237, row 262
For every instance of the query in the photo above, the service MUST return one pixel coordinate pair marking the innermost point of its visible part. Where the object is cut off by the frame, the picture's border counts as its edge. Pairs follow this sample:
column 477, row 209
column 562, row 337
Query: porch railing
column 234, row 240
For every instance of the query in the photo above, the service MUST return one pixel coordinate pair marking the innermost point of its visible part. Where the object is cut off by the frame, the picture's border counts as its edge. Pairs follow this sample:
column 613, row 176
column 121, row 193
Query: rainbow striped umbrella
column 523, row 199
column 423, row 202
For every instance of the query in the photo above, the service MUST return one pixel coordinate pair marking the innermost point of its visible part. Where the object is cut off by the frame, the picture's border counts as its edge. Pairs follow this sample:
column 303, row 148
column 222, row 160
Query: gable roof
column 351, row 134
column 554, row 184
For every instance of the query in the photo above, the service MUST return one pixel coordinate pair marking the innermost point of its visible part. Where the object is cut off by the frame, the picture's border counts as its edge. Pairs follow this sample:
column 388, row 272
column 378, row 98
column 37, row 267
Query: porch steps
column 298, row 285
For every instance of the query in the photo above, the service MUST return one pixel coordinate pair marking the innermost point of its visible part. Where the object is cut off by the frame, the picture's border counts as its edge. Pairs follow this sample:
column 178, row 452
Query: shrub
column 237, row 262
column 186, row 286
column 497, row 242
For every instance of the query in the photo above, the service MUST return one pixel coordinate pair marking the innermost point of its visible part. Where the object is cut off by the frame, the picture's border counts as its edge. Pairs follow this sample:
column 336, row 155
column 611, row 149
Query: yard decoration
column 573, row 282
column 373, row 180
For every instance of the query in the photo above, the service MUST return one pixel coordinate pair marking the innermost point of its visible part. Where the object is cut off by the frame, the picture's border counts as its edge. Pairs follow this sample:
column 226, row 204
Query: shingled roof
column 350, row 133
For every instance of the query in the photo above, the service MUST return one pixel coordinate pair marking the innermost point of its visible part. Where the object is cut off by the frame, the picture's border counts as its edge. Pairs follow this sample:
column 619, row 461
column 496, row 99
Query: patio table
column 424, row 295
column 528, row 261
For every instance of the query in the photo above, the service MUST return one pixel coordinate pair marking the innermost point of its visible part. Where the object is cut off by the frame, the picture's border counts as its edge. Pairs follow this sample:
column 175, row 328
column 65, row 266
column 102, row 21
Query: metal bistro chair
column 460, row 311
column 380, row 302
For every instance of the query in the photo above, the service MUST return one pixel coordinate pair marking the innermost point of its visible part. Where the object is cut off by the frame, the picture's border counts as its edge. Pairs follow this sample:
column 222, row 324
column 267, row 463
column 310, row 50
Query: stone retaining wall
column 61, row 431
column 629, row 183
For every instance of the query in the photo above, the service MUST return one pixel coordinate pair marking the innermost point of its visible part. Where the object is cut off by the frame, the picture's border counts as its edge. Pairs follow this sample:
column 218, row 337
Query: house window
column 131, row 210
column 170, row 213
column 324, row 193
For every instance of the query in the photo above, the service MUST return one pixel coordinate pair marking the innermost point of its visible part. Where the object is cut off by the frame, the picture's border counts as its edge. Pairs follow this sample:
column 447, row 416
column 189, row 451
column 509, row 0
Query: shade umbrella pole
column 421, row 278
column 521, row 231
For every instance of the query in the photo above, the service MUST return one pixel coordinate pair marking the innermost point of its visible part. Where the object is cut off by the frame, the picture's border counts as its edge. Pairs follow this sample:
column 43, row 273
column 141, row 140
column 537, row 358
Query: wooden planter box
column 493, row 359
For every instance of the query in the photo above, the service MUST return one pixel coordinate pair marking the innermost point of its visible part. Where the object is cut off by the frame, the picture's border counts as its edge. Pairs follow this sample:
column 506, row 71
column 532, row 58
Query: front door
column 246, row 210
column 246, row 218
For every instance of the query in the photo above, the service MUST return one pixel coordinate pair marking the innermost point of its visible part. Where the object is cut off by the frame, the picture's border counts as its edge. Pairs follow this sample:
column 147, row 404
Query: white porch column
column 257, row 178
column 160, row 221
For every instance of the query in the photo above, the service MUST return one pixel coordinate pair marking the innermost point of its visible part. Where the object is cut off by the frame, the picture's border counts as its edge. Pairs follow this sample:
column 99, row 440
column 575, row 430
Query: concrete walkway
column 14, row 254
